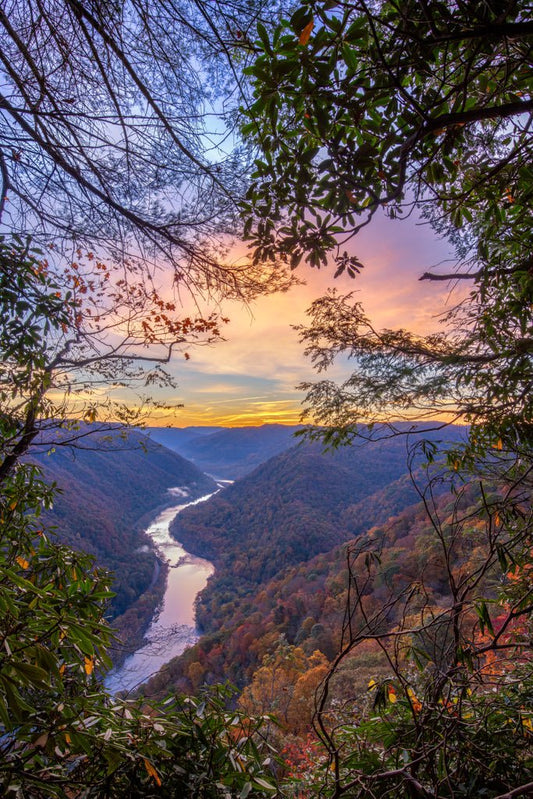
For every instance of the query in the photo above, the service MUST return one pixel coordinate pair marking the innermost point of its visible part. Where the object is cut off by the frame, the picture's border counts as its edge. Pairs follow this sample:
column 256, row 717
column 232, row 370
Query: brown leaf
column 305, row 35
column 152, row 772
column 42, row 740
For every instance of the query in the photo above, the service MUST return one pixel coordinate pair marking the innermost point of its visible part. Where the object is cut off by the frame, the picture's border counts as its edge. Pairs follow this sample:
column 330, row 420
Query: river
column 173, row 627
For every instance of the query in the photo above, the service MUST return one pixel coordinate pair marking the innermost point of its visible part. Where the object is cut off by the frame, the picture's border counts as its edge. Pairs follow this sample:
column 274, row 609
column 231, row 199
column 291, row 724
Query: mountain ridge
column 109, row 488
column 228, row 453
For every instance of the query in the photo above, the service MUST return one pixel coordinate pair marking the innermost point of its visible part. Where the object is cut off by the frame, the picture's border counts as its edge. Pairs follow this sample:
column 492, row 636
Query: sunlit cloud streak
column 250, row 378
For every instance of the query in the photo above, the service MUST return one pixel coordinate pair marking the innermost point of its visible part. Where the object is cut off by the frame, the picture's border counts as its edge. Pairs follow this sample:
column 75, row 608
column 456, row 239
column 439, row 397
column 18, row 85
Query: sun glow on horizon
column 287, row 412
column 251, row 376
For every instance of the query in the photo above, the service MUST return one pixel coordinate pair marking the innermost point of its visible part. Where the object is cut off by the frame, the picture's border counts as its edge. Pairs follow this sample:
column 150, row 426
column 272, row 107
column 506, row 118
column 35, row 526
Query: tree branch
column 83, row 12
column 29, row 432
column 475, row 115
column 520, row 791
column 452, row 276
column 503, row 30
column 5, row 183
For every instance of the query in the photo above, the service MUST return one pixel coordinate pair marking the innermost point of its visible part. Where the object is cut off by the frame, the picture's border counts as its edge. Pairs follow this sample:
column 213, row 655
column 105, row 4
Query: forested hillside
column 283, row 513
column 266, row 528
column 304, row 604
column 290, row 509
column 109, row 486
column 228, row 453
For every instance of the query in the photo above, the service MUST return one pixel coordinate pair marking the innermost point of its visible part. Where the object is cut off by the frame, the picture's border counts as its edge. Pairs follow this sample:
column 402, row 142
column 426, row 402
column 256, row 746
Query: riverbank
column 172, row 628
column 131, row 627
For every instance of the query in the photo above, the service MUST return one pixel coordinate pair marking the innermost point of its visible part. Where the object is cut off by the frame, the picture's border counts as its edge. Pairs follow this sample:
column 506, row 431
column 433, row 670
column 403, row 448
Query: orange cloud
column 250, row 377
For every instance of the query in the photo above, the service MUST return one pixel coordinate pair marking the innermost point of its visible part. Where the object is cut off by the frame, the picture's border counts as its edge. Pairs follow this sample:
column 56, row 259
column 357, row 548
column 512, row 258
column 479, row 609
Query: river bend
column 173, row 627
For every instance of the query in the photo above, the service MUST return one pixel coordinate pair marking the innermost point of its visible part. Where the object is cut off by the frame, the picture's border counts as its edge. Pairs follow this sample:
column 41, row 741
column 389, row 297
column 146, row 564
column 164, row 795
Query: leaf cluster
column 390, row 106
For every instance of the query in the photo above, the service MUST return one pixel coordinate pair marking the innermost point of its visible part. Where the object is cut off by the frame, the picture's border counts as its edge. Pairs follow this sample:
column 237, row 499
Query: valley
column 227, row 453
column 277, row 538
column 109, row 488
column 287, row 582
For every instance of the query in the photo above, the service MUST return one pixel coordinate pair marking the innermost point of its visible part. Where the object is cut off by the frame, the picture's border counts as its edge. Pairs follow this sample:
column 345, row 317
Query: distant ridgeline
column 109, row 489
column 227, row 453
column 263, row 534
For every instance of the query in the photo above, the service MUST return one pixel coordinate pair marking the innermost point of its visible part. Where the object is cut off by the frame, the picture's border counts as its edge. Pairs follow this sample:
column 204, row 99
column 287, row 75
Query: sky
column 251, row 377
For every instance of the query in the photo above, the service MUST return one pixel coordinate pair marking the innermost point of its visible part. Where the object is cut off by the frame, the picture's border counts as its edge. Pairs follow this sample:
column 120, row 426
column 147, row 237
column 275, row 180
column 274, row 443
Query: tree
column 64, row 335
column 117, row 160
column 404, row 107
column 284, row 685
column 448, row 716
column 360, row 107
column 60, row 733
column 419, row 108
column 116, row 134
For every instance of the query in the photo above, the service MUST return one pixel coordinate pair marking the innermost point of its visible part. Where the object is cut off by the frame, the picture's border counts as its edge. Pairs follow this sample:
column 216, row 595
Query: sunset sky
column 250, row 378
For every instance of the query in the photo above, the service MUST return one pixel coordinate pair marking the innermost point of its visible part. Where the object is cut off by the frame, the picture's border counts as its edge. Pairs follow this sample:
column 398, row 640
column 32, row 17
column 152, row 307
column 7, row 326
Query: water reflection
column 172, row 629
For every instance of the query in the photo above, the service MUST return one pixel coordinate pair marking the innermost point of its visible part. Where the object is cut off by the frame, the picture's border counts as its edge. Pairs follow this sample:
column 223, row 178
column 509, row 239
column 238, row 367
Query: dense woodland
column 296, row 505
column 304, row 607
column 268, row 588
column 371, row 603
column 121, row 481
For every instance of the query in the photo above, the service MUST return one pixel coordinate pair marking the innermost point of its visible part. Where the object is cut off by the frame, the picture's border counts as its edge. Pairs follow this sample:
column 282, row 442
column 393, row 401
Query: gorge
column 173, row 626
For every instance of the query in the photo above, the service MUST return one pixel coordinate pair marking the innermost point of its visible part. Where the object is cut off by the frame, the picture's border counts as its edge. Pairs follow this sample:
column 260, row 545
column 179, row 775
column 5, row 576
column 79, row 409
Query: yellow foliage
column 285, row 685
column 415, row 702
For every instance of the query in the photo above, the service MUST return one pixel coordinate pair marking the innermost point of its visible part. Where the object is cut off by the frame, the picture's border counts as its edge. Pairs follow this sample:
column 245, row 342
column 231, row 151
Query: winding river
column 173, row 628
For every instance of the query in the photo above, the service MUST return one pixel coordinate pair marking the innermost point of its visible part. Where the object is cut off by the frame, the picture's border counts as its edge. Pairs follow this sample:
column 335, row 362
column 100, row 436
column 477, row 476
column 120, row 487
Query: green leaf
column 263, row 35
column 259, row 782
